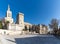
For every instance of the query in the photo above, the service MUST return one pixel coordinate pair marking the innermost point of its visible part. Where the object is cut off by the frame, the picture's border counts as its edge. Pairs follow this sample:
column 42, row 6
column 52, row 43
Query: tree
column 38, row 28
column 1, row 25
column 30, row 28
column 6, row 23
column 25, row 28
column 58, row 32
column 33, row 28
column 54, row 25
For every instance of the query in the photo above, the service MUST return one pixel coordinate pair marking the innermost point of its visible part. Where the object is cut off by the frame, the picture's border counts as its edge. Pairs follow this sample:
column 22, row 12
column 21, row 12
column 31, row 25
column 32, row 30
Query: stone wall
column 9, row 32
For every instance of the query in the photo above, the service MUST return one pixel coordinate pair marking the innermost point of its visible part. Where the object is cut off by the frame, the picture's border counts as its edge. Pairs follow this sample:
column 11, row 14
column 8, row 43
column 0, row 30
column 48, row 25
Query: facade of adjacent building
column 43, row 29
column 28, row 25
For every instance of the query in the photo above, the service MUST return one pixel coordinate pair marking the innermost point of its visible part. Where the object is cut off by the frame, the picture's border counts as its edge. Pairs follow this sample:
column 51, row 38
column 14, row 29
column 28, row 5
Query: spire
column 8, row 7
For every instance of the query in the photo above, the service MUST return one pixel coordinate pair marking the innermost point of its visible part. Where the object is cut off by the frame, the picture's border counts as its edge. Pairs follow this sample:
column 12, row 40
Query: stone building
column 20, row 20
column 28, row 25
column 43, row 29
column 20, row 24
column 9, row 15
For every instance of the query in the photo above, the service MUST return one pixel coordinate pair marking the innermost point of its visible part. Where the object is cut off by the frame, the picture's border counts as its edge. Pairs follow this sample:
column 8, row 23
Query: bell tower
column 20, row 20
column 9, row 15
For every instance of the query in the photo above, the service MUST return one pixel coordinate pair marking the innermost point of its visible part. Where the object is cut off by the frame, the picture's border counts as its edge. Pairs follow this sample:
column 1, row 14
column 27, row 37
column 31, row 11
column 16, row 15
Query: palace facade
column 20, row 24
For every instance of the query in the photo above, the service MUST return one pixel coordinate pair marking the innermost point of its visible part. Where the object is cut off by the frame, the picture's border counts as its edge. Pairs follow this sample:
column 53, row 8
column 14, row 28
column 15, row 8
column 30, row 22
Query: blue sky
column 35, row 11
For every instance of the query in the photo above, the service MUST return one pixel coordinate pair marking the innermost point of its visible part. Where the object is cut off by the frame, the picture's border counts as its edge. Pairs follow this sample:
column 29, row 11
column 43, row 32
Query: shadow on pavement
column 37, row 40
column 57, row 36
column 11, row 40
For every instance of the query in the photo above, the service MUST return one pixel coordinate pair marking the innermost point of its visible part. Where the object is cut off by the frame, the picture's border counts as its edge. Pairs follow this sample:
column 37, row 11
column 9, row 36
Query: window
column 9, row 15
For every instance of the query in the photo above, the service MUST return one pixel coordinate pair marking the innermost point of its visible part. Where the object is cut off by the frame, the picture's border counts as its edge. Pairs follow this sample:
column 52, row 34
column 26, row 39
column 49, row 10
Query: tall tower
column 9, row 15
column 20, row 20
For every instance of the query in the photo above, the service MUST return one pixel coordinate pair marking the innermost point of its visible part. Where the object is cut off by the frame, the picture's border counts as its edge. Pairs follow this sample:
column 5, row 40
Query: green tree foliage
column 6, row 23
column 25, row 28
column 33, row 28
column 1, row 25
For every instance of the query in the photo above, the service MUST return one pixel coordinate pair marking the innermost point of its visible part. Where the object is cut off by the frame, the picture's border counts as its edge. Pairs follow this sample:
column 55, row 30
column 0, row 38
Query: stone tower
column 9, row 15
column 20, row 20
